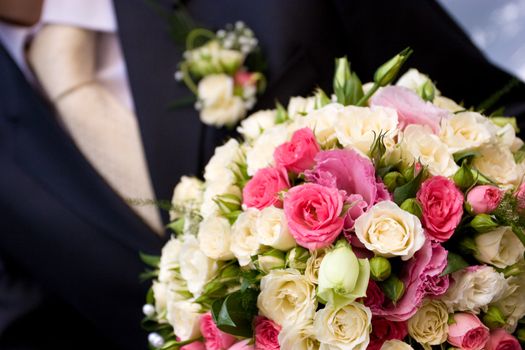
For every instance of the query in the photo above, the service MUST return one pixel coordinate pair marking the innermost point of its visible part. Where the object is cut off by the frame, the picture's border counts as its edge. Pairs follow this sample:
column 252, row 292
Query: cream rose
column 209, row 207
column 169, row 260
column 219, row 105
column 474, row 288
column 184, row 317
column 414, row 80
column 395, row 344
column 215, row 238
column 418, row 143
column 499, row 247
column 497, row 163
column 244, row 240
column 272, row 229
column 298, row 337
column 160, row 293
column 429, row 326
column 287, row 297
column 512, row 302
column 357, row 127
column 254, row 125
column 464, row 131
column 322, row 121
column 260, row 154
column 313, row 264
column 224, row 158
column 298, row 106
column 345, row 327
column 187, row 196
column 389, row 231
column 448, row 104
column 195, row 267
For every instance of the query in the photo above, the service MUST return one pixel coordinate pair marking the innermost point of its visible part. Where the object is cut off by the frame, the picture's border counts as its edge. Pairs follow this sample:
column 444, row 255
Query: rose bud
column 501, row 340
column 467, row 332
column 484, row 199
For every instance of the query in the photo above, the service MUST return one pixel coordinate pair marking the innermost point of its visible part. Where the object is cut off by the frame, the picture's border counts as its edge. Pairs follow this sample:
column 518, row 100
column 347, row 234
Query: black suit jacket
column 69, row 245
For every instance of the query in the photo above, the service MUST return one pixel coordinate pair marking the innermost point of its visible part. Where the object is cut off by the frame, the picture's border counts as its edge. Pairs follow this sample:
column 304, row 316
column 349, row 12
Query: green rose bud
column 380, row 268
column 272, row 259
column 342, row 72
column 385, row 74
column 494, row 318
column 464, row 178
column 502, row 121
column 296, row 258
column 394, row 179
column 483, row 223
column 321, row 99
column 393, row 288
column 342, row 276
column 412, row 206
column 427, row 91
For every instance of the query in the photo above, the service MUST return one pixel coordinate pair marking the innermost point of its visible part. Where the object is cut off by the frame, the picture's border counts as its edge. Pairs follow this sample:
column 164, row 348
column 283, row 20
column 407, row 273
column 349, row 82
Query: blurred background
column 497, row 27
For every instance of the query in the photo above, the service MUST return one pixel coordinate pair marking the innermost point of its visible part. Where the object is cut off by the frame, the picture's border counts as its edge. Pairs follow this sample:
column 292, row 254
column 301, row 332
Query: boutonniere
column 222, row 69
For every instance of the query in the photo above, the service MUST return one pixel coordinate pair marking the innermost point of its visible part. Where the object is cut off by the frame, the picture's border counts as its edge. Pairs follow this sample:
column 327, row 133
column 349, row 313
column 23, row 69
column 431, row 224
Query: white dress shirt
column 96, row 15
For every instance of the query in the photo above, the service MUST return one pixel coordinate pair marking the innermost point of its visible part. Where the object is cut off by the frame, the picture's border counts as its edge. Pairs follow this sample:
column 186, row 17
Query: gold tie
column 64, row 60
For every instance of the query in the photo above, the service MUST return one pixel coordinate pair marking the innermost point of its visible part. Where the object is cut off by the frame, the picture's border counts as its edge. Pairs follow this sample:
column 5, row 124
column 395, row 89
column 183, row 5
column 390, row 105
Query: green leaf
column 464, row 178
column 282, row 114
column 355, row 89
column 150, row 297
column 467, row 155
column 409, row 190
column 150, row 260
column 234, row 314
column 148, row 274
column 393, row 288
column 519, row 156
column 454, row 263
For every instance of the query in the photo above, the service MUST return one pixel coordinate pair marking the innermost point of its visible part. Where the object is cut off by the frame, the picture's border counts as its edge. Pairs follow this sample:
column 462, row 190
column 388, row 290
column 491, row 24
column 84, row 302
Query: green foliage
column 409, row 190
column 234, row 313
column 282, row 114
column 454, row 263
column 393, row 288
column 150, row 260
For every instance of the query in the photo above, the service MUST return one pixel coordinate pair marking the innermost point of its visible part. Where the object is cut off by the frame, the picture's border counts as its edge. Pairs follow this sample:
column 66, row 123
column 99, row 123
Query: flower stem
column 186, row 78
column 369, row 94
column 518, row 231
column 196, row 33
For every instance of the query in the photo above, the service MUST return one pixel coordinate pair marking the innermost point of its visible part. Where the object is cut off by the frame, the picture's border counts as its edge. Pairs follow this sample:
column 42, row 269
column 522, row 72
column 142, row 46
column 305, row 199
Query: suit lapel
column 46, row 152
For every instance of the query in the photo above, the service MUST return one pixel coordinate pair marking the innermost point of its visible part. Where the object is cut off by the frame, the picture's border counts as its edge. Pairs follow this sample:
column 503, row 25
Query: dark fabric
column 69, row 246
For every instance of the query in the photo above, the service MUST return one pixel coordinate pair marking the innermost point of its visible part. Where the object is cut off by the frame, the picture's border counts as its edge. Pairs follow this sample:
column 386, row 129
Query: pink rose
column 242, row 345
column 266, row 333
column 520, row 196
column 244, row 78
column 484, row 199
column 263, row 189
column 298, row 154
column 442, row 204
column 501, row 340
column 467, row 332
column 411, row 109
column 313, row 214
column 348, row 171
column 421, row 277
column 383, row 330
column 214, row 338
column 196, row 345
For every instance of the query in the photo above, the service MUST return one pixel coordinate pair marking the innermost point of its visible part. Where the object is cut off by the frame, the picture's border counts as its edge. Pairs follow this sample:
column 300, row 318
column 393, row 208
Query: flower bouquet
column 385, row 217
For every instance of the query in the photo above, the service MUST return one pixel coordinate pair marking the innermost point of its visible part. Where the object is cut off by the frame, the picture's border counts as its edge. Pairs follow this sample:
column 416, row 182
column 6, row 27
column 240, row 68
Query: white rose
column 322, row 121
column 429, row 326
column 272, row 229
column 169, row 260
column 313, row 264
column 252, row 127
column 395, row 344
column 499, row 247
column 448, row 104
column 512, row 302
column 184, row 317
column 414, row 80
column 215, row 238
column 464, row 131
column 260, row 155
column 474, row 288
column 497, row 163
column 299, row 336
column 187, row 196
column 195, row 267
column 389, row 231
column 244, row 240
column 357, row 127
column 298, row 106
column 345, row 327
column 160, row 293
column 420, row 144
column 227, row 112
column 287, row 297
column 222, row 164
column 209, row 207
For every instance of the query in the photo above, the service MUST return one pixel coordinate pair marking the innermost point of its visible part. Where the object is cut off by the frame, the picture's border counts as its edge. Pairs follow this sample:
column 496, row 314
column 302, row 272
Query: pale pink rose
column 383, row 330
column 266, row 334
column 313, row 214
column 298, row 154
column 484, row 199
column 421, row 277
column 243, row 345
column 263, row 188
column 520, row 196
column 442, row 204
column 196, row 345
column 411, row 109
column 214, row 338
column 352, row 173
column 501, row 340
column 244, row 78
column 467, row 332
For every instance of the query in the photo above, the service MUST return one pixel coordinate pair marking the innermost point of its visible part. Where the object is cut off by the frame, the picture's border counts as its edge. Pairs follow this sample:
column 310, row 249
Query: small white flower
column 195, row 267
column 464, row 131
column 184, row 317
column 272, row 229
column 260, row 154
column 244, row 240
column 252, row 127
column 215, row 238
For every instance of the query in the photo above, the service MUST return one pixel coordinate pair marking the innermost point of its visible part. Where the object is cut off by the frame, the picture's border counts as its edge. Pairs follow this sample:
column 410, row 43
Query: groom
column 69, row 242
